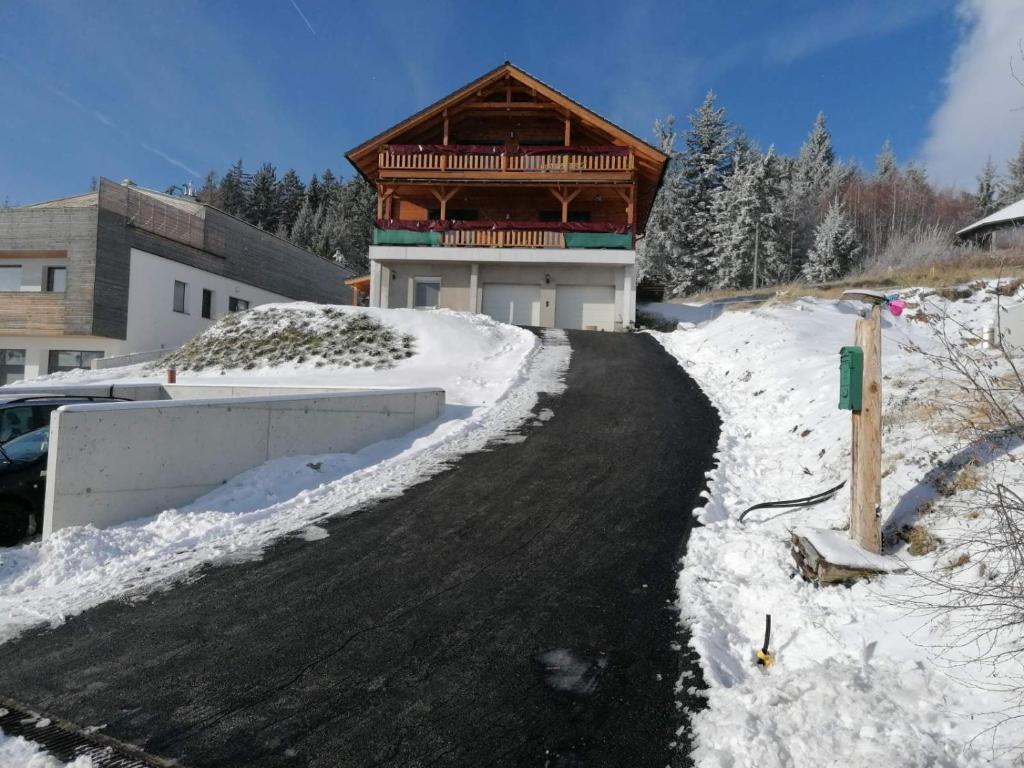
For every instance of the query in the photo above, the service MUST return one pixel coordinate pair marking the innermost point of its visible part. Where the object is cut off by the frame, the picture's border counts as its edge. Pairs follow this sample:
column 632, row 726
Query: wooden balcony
column 433, row 161
column 30, row 313
column 501, row 235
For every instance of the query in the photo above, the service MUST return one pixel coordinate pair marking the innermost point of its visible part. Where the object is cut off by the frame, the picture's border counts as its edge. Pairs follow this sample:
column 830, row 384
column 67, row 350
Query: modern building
column 511, row 199
column 123, row 270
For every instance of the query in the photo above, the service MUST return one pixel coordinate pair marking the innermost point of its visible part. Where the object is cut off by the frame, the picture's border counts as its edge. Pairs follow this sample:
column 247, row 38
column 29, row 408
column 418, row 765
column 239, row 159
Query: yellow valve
column 764, row 659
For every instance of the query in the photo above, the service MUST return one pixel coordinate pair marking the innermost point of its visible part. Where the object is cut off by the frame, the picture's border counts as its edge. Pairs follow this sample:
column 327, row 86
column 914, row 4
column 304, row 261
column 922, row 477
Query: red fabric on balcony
column 499, row 149
column 548, row 226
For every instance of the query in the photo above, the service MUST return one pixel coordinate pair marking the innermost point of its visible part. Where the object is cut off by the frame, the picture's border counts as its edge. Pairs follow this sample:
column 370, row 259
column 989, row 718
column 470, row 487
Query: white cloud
column 982, row 113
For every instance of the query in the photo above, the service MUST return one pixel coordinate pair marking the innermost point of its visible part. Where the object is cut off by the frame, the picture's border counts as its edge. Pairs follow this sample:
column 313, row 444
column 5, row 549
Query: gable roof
column 1011, row 213
column 496, row 74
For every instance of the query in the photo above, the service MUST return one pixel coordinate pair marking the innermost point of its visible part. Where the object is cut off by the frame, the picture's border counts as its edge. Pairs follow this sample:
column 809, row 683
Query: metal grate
column 67, row 742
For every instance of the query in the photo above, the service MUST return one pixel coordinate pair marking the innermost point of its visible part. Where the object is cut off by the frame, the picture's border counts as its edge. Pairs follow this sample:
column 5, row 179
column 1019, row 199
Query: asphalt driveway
column 516, row 609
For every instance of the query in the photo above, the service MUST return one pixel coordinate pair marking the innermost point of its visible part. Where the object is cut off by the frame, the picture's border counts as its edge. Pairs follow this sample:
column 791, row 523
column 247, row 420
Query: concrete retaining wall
column 119, row 361
column 113, row 462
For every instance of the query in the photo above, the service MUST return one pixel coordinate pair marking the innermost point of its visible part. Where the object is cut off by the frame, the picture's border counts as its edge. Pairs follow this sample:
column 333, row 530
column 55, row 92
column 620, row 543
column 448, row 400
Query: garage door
column 585, row 306
column 515, row 304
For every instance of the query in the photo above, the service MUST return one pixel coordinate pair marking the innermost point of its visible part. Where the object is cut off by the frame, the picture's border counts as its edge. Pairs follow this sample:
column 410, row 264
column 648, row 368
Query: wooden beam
column 565, row 198
column 568, row 130
column 445, row 142
column 443, row 197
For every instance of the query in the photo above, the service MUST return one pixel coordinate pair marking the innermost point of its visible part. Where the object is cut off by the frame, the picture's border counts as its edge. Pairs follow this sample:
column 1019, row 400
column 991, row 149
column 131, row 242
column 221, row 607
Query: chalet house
column 510, row 199
column 1002, row 229
column 125, row 270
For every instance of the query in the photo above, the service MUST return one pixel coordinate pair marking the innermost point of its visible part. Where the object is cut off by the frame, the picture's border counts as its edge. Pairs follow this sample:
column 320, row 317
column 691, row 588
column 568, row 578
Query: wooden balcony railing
column 32, row 313
column 513, row 238
column 495, row 160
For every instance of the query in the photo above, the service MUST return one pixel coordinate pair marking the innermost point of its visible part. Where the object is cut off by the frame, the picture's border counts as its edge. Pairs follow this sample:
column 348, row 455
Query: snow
column 859, row 677
column 493, row 374
column 838, row 549
column 18, row 752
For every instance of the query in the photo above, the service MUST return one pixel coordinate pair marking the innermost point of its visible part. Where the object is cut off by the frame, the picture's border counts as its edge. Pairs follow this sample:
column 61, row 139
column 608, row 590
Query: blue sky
column 160, row 91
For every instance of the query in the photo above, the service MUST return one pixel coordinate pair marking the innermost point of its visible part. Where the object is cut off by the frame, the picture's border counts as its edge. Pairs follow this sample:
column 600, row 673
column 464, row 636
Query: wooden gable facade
column 508, row 161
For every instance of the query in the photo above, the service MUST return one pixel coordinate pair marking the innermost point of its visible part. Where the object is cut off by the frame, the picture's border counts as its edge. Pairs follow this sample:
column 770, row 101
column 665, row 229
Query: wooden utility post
column 866, row 443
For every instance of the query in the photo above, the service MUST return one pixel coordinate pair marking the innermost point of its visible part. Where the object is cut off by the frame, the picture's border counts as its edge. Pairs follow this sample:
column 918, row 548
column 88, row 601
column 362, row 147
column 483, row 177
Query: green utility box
column 851, row 378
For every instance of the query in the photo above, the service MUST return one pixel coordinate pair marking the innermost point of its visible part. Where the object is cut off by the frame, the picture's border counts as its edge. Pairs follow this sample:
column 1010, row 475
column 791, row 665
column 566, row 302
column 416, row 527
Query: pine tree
column 264, row 201
column 1013, row 187
column 689, row 233
column 358, row 207
column 234, row 190
column 292, row 195
column 654, row 247
column 747, row 236
column 813, row 178
column 209, row 193
column 886, row 166
column 835, row 247
column 988, row 194
column 303, row 232
column 817, row 157
column 314, row 193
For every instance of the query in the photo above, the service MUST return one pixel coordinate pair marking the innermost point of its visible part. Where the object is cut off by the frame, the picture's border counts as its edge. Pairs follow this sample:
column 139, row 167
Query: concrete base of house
column 587, row 289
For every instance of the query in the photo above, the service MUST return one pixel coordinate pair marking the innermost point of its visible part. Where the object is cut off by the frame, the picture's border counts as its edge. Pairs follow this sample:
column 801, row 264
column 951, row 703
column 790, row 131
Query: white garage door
column 515, row 304
column 585, row 306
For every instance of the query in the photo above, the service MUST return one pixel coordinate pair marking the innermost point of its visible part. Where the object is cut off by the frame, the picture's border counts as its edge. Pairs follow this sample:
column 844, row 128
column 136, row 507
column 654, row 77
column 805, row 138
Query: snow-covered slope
column 858, row 680
column 17, row 752
column 492, row 374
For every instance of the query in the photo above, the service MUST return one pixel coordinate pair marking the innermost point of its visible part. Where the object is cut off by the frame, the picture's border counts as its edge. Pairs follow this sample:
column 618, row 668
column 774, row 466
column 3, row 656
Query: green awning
column 597, row 240
column 405, row 237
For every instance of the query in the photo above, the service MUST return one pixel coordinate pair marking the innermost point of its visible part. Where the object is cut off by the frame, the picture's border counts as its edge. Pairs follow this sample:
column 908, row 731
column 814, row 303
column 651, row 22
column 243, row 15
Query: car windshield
column 28, row 447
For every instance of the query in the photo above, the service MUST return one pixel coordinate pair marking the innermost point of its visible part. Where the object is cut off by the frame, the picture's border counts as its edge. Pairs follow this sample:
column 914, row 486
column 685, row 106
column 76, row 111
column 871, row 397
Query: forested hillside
column 733, row 216
column 328, row 216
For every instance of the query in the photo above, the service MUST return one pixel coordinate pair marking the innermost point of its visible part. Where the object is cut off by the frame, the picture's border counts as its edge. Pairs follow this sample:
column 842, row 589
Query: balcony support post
column 565, row 199
column 443, row 197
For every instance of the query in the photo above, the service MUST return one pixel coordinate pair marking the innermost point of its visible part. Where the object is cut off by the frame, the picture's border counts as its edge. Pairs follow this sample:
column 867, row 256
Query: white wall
column 37, row 348
column 152, row 321
column 113, row 462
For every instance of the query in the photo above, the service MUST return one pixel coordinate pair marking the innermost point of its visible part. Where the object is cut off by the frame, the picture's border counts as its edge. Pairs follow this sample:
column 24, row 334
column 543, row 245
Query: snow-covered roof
column 1012, row 212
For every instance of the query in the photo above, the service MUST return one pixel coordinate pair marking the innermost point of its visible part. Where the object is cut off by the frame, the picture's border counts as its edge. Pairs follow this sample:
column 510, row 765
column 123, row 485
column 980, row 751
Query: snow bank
column 492, row 372
column 17, row 752
column 856, row 679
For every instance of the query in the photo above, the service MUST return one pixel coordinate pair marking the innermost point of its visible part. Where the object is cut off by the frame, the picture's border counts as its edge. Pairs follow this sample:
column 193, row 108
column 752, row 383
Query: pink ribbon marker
column 896, row 306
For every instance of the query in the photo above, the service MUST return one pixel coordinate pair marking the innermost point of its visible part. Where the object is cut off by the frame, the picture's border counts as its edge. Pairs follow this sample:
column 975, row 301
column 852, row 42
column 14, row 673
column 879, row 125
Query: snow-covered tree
column 747, row 235
column 292, row 194
column 703, row 165
column 304, row 229
column 989, row 192
column 835, row 247
column 264, row 201
column 1013, row 187
column 886, row 167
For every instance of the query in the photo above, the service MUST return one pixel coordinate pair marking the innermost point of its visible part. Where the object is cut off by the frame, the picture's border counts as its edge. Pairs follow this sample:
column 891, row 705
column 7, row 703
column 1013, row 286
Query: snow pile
column 493, row 374
column 282, row 334
column 858, row 678
column 17, row 752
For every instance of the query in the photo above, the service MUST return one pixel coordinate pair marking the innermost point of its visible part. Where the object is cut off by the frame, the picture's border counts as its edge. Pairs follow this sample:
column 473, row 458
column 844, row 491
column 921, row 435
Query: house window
column 426, row 292
column 207, row 303
column 237, row 305
column 56, row 279
column 10, row 278
column 70, row 359
column 180, row 295
column 12, row 365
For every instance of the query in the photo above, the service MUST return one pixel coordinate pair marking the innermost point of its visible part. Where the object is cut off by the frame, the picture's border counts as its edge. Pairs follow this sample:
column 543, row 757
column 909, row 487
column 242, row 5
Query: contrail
column 299, row 10
column 100, row 117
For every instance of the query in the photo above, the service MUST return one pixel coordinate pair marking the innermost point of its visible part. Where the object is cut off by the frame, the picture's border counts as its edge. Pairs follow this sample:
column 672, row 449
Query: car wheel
column 13, row 523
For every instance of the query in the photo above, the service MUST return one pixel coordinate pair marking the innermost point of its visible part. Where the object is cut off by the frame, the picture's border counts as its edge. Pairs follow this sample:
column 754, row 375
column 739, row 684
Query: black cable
column 806, row 501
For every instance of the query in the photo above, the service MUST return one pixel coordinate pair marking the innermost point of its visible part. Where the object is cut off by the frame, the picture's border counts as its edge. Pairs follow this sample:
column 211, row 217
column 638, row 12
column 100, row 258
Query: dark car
column 20, row 414
column 24, row 444
column 22, row 484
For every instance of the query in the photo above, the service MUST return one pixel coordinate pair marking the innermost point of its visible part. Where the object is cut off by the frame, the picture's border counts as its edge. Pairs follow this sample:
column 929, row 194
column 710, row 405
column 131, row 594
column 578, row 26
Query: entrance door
column 586, row 307
column 514, row 304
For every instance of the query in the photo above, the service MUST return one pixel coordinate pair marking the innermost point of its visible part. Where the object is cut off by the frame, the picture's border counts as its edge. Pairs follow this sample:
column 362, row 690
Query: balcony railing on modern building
column 502, row 234
column 465, row 158
column 32, row 313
